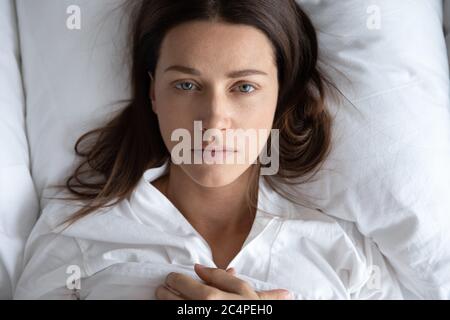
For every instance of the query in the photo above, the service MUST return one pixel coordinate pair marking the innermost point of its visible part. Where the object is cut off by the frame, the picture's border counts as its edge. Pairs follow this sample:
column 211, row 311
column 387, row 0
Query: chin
column 215, row 175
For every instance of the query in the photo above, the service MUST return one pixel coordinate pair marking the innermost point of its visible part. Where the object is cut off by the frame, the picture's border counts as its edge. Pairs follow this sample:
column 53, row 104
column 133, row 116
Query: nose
column 216, row 112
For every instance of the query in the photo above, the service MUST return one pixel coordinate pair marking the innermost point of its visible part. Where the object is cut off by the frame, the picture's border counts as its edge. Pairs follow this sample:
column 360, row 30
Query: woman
column 148, row 221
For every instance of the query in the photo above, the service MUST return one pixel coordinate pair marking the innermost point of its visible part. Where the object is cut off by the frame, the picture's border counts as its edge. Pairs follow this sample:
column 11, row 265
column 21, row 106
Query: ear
column 151, row 92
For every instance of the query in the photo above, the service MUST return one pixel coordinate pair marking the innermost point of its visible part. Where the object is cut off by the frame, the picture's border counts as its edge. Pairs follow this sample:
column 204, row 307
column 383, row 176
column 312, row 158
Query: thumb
column 231, row 271
column 276, row 294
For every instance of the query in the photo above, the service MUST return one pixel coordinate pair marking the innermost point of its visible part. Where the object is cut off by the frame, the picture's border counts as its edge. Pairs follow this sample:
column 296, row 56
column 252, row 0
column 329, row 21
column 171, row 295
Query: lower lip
column 215, row 152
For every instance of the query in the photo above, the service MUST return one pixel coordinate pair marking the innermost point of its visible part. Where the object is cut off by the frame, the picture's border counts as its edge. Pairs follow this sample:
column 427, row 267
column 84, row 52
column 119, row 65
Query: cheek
column 172, row 110
column 258, row 118
column 173, row 107
column 169, row 122
column 171, row 119
column 260, row 114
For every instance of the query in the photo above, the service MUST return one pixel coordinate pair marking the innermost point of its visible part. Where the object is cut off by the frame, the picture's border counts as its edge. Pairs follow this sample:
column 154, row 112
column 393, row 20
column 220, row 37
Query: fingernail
column 289, row 295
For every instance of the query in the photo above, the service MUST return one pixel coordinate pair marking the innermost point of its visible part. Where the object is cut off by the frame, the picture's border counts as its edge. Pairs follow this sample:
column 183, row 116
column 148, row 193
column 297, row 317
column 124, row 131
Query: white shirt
column 126, row 251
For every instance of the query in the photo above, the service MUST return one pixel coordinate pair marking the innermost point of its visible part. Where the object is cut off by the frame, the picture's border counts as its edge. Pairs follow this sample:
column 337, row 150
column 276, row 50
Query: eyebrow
column 233, row 74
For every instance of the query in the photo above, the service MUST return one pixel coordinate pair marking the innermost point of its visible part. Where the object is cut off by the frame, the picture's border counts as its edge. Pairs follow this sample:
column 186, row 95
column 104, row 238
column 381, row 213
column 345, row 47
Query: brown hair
column 115, row 156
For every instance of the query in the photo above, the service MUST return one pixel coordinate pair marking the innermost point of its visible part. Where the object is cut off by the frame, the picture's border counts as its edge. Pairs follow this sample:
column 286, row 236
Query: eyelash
column 243, row 84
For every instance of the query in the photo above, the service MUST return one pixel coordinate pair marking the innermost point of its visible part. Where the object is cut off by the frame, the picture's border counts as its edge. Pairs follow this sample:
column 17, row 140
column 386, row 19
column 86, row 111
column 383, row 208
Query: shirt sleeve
column 56, row 266
column 53, row 270
column 53, row 261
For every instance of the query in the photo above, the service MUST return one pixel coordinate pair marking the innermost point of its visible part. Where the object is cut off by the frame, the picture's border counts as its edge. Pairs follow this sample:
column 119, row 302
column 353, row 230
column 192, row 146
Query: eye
column 185, row 86
column 246, row 88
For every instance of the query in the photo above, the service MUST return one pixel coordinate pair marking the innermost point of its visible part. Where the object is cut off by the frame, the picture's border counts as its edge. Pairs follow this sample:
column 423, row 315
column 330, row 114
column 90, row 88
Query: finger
column 188, row 287
column 277, row 294
column 164, row 293
column 231, row 271
column 223, row 280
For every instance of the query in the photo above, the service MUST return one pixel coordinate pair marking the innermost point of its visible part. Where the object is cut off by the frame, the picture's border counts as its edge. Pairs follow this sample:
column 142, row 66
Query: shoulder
column 60, row 208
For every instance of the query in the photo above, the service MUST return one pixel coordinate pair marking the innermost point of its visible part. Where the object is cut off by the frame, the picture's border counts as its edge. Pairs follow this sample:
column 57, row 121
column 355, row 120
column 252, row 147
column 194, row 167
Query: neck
column 222, row 208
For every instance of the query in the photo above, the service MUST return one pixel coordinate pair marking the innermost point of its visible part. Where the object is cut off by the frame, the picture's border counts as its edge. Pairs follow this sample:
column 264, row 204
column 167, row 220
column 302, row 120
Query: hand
column 220, row 285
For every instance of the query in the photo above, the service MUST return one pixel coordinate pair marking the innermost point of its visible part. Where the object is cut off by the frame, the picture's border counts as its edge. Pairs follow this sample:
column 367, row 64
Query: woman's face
column 225, row 76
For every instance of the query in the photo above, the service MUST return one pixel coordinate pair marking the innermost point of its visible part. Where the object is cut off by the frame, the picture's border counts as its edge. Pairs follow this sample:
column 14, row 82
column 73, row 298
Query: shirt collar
column 153, row 207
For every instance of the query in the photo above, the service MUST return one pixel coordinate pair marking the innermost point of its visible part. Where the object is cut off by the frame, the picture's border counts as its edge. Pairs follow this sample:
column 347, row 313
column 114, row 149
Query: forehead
column 217, row 45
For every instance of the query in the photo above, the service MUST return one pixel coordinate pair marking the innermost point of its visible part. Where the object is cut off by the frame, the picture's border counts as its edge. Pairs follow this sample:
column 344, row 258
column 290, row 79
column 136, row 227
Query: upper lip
column 215, row 148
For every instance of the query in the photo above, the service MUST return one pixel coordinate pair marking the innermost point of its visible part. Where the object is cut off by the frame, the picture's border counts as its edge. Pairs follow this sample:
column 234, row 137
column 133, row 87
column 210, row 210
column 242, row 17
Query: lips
column 215, row 149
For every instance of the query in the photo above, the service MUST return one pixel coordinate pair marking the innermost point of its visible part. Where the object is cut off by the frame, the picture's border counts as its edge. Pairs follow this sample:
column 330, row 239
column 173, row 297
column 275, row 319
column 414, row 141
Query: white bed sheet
column 18, row 200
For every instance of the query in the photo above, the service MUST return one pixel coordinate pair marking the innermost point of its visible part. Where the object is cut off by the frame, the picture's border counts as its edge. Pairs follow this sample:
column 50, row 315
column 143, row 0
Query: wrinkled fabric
column 126, row 252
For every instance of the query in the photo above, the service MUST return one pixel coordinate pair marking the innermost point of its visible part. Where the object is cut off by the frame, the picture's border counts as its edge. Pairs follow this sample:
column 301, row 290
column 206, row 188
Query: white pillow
column 18, row 201
column 389, row 169
column 72, row 77
column 447, row 25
